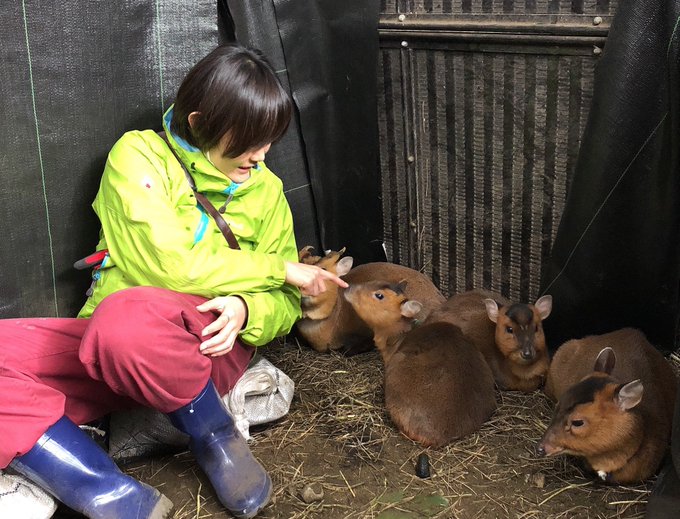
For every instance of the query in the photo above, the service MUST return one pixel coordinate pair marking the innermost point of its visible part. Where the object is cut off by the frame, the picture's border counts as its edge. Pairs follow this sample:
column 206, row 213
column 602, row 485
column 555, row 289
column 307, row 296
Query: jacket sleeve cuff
column 269, row 316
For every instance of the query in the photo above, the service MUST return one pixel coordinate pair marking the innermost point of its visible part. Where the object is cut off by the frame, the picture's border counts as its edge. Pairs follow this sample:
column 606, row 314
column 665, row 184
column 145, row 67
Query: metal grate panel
column 477, row 149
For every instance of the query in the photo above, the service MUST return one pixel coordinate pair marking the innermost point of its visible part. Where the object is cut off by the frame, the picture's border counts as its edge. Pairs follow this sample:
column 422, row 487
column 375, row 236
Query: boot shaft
column 241, row 483
column 67, row 463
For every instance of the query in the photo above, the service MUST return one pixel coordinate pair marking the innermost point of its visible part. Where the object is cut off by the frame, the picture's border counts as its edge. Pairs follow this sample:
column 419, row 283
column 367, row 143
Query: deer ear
column 629, row 395
column 605, row 361
column 544, row 306
column 401, row 286
column 344, row 265
column 491, row 309
column 305, row 252
column 410, row 309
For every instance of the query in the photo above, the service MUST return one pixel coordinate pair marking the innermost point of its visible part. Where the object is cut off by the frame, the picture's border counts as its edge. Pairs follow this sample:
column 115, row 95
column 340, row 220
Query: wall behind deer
column 482, row 109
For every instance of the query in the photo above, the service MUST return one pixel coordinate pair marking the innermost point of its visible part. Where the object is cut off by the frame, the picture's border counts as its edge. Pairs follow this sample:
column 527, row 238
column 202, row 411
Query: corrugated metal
column 477, row 148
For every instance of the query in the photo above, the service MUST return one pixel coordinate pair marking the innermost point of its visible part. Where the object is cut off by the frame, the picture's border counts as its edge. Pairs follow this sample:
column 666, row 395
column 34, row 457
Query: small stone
column 312, row 493
column 537, row 479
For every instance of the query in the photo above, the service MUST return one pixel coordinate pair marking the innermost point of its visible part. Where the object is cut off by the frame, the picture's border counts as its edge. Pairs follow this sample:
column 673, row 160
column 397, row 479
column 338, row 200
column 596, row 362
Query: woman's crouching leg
column 143, row 342
column 41, row 380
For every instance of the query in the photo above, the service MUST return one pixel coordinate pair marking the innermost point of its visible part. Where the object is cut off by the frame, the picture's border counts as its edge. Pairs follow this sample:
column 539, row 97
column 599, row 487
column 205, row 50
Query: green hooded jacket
column 156, row 235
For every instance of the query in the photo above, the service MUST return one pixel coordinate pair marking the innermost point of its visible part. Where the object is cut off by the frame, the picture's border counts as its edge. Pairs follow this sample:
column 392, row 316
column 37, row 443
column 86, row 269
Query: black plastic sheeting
column 329, row 52
column 77, row 75
column 616, row 257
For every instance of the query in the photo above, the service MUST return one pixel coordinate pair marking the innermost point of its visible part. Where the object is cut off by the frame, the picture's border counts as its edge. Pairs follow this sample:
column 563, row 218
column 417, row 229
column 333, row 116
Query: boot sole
column 249, row 514
column 162, row 509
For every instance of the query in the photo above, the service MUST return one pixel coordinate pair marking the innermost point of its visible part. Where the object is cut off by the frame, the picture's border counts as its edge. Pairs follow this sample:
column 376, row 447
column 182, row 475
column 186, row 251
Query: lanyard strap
column 204, row 202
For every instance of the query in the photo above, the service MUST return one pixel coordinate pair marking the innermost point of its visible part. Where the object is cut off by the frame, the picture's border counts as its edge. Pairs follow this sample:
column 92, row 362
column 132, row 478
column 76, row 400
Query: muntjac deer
column 615, row 395
column 437, row 385
column 509, row 335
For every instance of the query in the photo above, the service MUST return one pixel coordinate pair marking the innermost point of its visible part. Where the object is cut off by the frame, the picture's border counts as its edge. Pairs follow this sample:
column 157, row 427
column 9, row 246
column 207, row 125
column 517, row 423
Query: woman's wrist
column 245, row 310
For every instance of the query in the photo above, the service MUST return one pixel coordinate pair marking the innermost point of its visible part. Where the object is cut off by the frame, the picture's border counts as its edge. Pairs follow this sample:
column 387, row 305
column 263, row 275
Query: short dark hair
column 236, row 90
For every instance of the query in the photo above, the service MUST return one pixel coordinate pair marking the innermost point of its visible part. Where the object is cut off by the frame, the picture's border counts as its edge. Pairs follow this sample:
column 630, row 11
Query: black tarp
column 79, row 74
column 616, row 261
column 329, row 52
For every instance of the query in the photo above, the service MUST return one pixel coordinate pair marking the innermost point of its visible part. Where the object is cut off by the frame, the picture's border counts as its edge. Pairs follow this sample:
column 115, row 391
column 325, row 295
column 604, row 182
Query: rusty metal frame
column 535, row 31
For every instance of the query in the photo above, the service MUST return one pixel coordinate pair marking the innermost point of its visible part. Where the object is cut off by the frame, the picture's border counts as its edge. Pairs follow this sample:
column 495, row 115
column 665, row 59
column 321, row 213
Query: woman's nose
column 259, row 154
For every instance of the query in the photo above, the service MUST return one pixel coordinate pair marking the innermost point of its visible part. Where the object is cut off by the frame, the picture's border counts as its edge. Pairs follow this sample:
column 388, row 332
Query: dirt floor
column 336, row 455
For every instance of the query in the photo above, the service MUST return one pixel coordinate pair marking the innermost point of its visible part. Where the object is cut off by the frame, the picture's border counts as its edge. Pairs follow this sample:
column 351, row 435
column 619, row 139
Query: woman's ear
column 193, row 119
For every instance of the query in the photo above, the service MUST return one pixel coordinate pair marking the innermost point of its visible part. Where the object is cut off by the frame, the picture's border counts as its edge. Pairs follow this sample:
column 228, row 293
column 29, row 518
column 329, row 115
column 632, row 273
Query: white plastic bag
column 263, row 394
column 21, row 498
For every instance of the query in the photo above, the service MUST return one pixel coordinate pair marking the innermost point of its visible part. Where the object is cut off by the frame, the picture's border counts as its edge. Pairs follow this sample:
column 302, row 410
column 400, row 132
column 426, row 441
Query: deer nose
column 528, row 353
column 540, row 449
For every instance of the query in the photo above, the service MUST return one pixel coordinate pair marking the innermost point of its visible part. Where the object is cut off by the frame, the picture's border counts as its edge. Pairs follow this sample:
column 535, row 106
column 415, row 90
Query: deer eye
column 508, row 329
column 379, row 296
column 577, row 423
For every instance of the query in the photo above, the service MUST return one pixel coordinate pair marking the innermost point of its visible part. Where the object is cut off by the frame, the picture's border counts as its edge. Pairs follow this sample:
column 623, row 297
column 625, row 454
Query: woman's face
column 236, row 169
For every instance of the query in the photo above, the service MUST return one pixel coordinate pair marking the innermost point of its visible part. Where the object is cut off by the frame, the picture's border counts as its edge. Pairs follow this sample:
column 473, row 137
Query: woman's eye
column 508, row 329
column 577, row 423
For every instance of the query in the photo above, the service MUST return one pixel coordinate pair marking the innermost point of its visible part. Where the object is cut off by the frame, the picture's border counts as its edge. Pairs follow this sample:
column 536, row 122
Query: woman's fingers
column 335, row 279
column 215, row 304
column 232, row 312
column 310, row 279
column 220, row 343
column 314, row 288
column 218, row 324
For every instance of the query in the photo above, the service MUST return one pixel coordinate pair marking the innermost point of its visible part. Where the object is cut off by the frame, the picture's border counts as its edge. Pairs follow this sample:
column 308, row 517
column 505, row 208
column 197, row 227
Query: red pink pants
column 140, row 347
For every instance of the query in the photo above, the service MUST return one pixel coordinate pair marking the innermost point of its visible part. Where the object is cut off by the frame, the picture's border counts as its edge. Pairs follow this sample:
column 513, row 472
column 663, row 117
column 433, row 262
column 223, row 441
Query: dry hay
column 338, row 441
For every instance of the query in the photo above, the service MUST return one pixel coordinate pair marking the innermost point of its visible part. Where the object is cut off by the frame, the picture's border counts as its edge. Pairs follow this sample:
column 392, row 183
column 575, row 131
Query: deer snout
column 528, row 352
column 548, row 446
column 540, row 449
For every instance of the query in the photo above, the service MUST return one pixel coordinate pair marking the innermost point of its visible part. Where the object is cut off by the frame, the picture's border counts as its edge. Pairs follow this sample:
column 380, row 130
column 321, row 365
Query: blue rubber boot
column 68, row 463
column 241, row 483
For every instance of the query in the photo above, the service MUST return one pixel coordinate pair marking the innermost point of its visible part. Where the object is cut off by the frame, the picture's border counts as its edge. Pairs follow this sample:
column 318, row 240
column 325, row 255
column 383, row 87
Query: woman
column 174, row 313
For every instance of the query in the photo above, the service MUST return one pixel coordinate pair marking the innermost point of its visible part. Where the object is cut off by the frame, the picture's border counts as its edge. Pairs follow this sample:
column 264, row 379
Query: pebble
column 310, row 494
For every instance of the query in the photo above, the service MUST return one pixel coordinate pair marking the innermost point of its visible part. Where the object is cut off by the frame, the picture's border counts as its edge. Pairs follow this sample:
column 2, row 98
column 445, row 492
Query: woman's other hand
column 310, row 279
column 233, row 313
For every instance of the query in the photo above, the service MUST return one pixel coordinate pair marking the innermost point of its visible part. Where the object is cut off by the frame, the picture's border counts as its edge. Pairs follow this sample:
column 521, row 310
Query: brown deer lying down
column 329, row 322
column 619, row 416
column 509, row 335
column 437, row 385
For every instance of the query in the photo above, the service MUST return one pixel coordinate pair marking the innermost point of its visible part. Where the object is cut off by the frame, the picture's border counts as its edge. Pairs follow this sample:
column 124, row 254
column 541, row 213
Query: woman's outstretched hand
column 310, row 279
column 233, row 312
